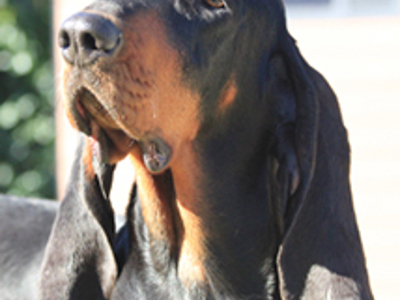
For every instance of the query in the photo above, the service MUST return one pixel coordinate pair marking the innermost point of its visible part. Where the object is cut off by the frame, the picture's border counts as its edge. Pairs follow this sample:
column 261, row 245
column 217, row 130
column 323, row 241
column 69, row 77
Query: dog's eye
column 215, row 3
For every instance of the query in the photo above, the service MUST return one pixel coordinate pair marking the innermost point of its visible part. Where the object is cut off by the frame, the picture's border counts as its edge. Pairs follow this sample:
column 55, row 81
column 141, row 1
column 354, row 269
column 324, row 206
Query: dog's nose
column 85, row 37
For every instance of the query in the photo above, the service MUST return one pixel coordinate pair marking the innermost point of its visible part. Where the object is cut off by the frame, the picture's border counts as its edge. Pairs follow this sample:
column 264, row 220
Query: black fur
column 25, row 226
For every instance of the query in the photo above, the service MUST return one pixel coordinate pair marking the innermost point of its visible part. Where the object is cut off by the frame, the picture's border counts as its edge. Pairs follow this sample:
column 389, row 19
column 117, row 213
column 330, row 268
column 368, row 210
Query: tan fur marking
column 155, row 212
column 192, row 211
column 228, row 96
column 87, row 159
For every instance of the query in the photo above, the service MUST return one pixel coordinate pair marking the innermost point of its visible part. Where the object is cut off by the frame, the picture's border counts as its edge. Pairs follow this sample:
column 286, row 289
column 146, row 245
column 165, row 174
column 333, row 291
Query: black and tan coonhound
column 240, row 154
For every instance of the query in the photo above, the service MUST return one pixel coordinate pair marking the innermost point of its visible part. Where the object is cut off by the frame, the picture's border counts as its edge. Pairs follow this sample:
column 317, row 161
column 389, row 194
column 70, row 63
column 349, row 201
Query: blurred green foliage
column 27, row 127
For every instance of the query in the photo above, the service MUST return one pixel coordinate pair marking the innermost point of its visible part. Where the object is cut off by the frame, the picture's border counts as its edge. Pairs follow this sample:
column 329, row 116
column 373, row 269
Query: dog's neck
column 213, row 199
column 238, row 187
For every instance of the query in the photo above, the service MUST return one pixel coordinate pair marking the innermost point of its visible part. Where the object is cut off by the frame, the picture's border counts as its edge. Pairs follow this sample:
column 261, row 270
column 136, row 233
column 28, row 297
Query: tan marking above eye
column 215, row 3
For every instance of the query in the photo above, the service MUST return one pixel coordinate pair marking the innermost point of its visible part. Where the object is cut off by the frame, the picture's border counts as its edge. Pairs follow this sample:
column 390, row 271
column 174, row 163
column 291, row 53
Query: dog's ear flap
column 296, row 115
column 79, row 262
column 320, row 252
column 294, row 147
column 304, row 133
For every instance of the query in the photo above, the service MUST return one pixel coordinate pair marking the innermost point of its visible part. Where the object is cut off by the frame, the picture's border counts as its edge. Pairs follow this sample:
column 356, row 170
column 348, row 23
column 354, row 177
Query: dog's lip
column 89, row 106
column 109, row 145
column 109, row 142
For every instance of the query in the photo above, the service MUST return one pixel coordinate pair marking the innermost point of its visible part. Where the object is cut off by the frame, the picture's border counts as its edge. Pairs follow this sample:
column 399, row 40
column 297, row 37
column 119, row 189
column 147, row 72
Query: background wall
column 358, row 53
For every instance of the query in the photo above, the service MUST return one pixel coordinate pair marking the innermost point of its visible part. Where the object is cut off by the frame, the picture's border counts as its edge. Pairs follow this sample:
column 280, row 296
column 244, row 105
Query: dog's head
column 161, row 79
column 150, row 75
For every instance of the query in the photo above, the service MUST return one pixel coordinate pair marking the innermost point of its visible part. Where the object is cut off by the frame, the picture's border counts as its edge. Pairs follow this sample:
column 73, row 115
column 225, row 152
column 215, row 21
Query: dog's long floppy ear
column 321, row 256
column 79, row 261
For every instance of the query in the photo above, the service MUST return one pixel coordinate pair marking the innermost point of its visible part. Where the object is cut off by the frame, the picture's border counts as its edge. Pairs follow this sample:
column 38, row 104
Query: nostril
column 103, row 41
column 64, row 40
column 88, row 41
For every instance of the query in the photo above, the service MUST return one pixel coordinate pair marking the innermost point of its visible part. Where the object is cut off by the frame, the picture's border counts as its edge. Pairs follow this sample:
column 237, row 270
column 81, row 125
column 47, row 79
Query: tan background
column 361, row 60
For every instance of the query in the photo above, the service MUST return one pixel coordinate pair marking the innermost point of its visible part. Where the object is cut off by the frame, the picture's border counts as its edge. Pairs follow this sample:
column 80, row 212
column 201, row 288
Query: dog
column 240, row 154
column 25, row 226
